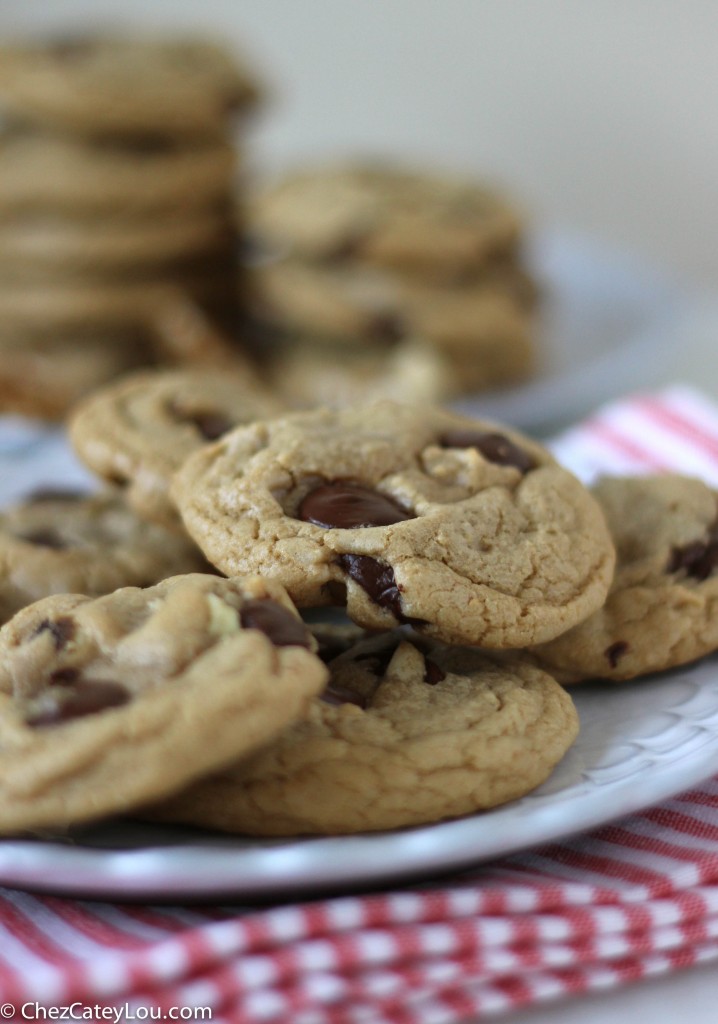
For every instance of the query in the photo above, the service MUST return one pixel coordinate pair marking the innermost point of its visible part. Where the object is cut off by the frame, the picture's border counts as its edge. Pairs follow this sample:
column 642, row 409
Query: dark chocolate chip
column 377, row 579
column 282, row 628
column 698, row 559
column 615, row 652
column 44, row 538
column 432, row 673
column 348, row 506
column 494, row 447
column 64, row 677
column 61, row 629
column 53, row 494
column 210, row 423
column 86, row 698
column 387, row 327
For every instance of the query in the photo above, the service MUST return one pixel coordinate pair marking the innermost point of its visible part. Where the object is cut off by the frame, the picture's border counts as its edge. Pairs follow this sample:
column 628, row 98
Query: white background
column 600, row 115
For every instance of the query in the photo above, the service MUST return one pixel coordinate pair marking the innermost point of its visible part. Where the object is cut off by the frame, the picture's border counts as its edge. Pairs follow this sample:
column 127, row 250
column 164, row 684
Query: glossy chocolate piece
column 432, row 673
column 377, row 579
column 345, row 505
column 493, row 446
column 279, row 625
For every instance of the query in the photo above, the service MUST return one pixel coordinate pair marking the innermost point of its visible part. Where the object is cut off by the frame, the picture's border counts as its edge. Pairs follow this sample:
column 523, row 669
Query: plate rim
column 279, row 869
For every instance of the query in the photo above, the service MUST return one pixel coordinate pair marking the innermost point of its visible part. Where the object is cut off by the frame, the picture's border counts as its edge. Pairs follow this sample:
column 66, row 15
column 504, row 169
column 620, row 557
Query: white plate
column 639, row 744
column 607, row 322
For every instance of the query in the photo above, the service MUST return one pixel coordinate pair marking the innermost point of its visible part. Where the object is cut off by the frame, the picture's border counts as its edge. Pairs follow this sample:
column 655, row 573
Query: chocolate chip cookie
column 64, row 175
column 661, row 609
column 306, row 374
column 44, row 374
column 123, row 699
column 482, row 332
column 387, row 216
column 137, row 431
column 470, row 531
column 105, row 87
column 63, row 542
column 407, row 732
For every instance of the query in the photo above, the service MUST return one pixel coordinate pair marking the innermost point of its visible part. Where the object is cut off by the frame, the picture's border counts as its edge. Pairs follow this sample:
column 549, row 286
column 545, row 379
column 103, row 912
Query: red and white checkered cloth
column 631, row 900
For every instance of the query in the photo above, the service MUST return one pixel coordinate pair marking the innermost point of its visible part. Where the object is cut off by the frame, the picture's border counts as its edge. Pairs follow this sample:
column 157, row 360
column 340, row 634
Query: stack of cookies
column 375, row 281
column 475, row 574
column 117, row 178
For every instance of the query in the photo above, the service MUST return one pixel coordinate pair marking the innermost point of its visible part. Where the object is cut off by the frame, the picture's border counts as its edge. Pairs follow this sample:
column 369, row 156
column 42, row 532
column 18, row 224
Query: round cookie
column 123, row 699
column 62, row 542
column 386, row 216
column 661, row 609
column 114, row 86
column 137, row 431
column 44, row 376
column 406, row 733
column 484, row 336
column 306, row 375
column 348, row 302
column 104, row 305
column 44, row 246
column 470, row 531
column 62, row 175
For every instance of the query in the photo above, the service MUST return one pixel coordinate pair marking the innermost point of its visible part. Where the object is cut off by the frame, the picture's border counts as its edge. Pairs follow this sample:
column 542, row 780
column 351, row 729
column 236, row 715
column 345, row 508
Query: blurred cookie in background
column 44, row 375
column 366, row 257
column 388, row 216
column 305, row 374
column 119, row 86
column 119, row 173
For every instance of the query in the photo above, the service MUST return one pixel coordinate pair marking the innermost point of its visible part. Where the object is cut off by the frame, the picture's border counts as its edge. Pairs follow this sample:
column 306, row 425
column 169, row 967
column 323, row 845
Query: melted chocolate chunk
column 45, row 539
column 87, row 698
column 282, row 628
column 344, row 505
column 62, row 630
column 432, row 673
column 494, row 447
column 698, row 559
column 377, row 579
column 615, row 652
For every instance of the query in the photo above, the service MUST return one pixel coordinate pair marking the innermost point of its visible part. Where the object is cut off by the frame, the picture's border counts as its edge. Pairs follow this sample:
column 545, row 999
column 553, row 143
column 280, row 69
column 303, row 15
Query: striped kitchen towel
column 633, row 899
